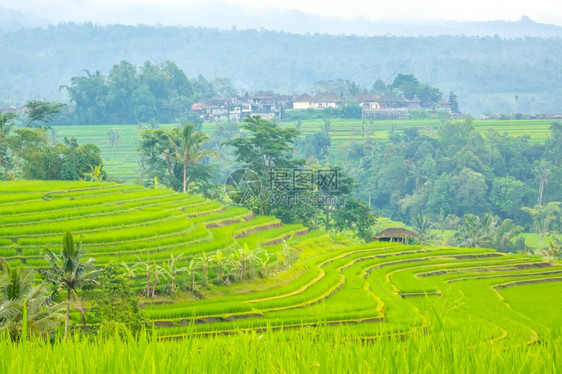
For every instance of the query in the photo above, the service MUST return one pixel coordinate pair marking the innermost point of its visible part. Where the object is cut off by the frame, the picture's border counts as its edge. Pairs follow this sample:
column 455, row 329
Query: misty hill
column 225, row 16
column 301, row 23
column 485, row 72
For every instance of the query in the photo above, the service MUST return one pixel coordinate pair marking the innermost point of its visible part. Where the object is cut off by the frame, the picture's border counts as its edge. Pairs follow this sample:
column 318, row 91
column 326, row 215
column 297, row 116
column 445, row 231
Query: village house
column 384, row 107
column 327, row 100
column 443, row 104
column 319, row 101
column 235, row 108
column 303, row 101
column 398, row 234
column 270, row 106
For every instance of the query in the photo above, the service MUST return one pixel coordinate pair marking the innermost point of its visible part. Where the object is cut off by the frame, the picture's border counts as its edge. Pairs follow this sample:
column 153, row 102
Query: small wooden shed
column 396, row 235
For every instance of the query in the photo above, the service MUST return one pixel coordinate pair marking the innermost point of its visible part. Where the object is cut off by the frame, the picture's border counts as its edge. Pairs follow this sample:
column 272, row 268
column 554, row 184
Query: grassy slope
column 348, row 292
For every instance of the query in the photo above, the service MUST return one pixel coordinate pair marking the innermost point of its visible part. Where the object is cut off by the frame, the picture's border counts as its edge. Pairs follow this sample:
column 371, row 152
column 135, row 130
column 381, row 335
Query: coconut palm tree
column 230, row 270
column 542, row 171
column 421, row 225
column 20, row 299
column 68, row 272
column 171, row 270
column 156, row 271
column 445, row 222
column 219, row 260
column 554, row 252
column 255, row 259
column 474, row 232
column 543, row 217
column 191, row 272
column 264, row 264
column 187, row 149
column 146, row 267
column 5, row 128
column 204, row 264
column 243, row 256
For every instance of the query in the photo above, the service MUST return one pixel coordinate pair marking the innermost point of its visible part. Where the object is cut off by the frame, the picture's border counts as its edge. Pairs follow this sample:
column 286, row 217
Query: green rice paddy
column 362, row 293
column 120, row 161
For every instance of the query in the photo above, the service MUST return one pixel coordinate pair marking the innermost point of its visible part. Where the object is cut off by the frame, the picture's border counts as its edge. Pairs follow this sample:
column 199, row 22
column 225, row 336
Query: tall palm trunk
column 1, row 142
column 6, row 169
column 541, row 190
column 80, row 309
column 148, row 283
column 67, row 320
column 219, row 273
column 16, row 164
column 328, row 197
column 184, row 177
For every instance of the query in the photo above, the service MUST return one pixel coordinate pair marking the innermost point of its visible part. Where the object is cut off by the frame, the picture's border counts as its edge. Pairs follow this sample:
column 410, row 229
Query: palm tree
column 191, row 272
column 504, row 235
column 5, row 128
column 95, row 174
column 156, row 271
column 474, row 232
column 421, row 225
column 69, row 272
column 286, row 253
column 171, row 270
column 554, row 252
column 20, row 299
column 187, row 149
column 146, row 267
column 219, row 260
column 255, row 259
column 543, row 217
column 542, row 171
column 416, row 173
column 230, row 270
column 243, row 256
column 205, row 263
column 129, row 270
column 264, row 264
column 444, row 222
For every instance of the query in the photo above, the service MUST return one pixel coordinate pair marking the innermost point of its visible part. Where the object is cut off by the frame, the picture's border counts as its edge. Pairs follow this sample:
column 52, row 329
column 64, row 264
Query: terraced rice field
column 370, row 290
column 119, row 223
column 121, row 161
column 347, row 130
column 388, row 289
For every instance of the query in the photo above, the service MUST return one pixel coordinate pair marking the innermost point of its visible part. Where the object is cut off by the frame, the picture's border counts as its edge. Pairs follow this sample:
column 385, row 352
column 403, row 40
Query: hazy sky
column 172, row 12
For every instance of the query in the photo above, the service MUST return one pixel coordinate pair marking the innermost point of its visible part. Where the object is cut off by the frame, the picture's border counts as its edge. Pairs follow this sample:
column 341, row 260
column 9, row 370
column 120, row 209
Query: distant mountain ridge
column 301, row 23
column 226, row 16
column 489, row 74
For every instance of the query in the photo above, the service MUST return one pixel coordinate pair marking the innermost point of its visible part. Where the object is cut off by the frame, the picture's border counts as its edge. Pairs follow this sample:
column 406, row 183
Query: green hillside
column 373, row 289
column 119, row 223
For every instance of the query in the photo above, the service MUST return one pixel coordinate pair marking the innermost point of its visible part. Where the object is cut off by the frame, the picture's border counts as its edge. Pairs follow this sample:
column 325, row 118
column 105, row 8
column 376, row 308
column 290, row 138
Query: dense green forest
column 487, row 73
column 431, row 174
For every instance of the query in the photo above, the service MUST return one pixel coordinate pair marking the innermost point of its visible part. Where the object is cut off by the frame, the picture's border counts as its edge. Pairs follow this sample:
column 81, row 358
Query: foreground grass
column 324, row 350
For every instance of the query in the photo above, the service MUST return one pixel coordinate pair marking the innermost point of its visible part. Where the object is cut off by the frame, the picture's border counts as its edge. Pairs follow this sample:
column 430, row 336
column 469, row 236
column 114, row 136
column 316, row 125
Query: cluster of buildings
column 270, row 106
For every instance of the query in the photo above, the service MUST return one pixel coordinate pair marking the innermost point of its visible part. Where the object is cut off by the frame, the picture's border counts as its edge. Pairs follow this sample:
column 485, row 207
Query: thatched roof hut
column 396, row 235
